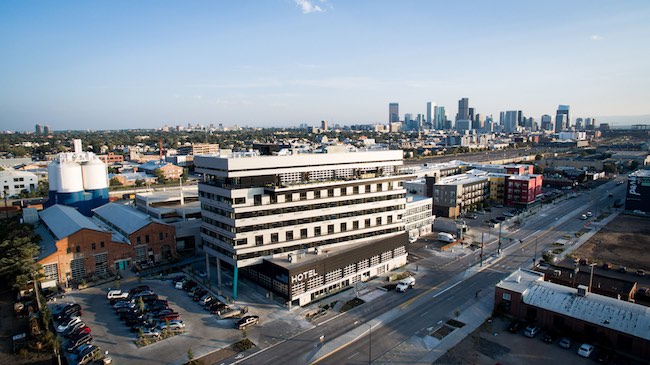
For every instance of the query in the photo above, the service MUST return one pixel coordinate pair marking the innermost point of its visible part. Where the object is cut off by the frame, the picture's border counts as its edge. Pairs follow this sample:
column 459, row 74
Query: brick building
column 522, row 190
column 585, row 316
column 74, row 247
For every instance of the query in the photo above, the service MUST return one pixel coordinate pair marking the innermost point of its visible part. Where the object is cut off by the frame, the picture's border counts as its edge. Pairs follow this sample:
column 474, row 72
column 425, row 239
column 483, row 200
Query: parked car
column 549, row 337
column 622, row 269
column 88, row 356
column 205, row 299
column 189, row 285
column 68, row 332
column 78, row 332
column 175, row 325
column 199, row 294
column 74, row 343
column 531, row 331
column 116, row 295
column 246, row 322
column 180, row 284
column 589, row 214
column 515, row 326
column 82, row 348
column 68, row 313
column 65, row 325
column 640, row 272
column 149, row 333
column 124, row 303
column 508, row 214
column 585, row 350
column 583, row 217
column 142, row 294
column 168, row 317
column 201, row 274
column 565, row 342
column 58, row 309
column 139, row 289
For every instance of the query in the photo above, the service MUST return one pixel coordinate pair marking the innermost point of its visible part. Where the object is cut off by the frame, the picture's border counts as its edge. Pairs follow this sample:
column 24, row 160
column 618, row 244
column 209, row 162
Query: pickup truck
column 405, row 283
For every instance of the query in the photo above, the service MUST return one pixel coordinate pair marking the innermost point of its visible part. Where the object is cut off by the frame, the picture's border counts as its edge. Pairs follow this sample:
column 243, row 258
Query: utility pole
column 499, row 247
column 535, row 256
column 482, row 240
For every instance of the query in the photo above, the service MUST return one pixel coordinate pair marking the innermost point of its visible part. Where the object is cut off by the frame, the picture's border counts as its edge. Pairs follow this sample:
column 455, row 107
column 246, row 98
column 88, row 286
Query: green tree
column 139, row 182
column 115, row 182
column 160, row 176
column 17, row 252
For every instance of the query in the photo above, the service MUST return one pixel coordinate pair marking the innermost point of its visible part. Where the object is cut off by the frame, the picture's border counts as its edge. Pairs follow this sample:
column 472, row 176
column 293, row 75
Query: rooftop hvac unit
column 290, row 257
column 582, row 290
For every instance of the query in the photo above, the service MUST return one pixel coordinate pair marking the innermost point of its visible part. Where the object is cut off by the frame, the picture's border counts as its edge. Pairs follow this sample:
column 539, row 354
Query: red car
column 79, row 332
column 169, row 317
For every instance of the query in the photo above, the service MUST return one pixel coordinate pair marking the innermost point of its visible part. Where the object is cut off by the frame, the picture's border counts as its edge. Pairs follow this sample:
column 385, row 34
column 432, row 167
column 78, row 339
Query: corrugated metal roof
column 125, row 218
column 619, row 315
column 63, row 221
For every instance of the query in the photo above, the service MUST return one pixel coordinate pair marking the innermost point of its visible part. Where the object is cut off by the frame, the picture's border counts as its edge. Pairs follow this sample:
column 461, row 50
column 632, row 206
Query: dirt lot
column 624, row 241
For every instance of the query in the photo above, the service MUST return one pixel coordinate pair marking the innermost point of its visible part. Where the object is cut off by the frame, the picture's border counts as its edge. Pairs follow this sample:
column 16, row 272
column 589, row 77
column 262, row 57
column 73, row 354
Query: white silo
column 95, row 180
column 69, row 183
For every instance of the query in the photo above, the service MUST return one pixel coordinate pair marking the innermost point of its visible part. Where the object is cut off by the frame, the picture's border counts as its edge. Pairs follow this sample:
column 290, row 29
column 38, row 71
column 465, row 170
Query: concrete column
column 218, row 271
column 235, row 279
column 207, row 268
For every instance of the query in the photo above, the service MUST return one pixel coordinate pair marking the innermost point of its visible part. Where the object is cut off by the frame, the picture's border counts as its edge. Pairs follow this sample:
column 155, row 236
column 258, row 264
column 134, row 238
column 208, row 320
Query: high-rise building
column 478, row 122
column 38, row 129
column 579, row 126
column 323, row 125
column 46, row 130
column 547, row 122
column 303, row 225
column 463, row 109
column 430, row 109
column 471, row 113
column 439, row 117
column 510, row 123
column 564, row 118
column 393, row 112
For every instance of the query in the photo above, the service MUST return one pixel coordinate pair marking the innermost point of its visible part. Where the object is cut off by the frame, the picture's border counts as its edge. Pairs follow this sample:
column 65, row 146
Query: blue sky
column 130, row 64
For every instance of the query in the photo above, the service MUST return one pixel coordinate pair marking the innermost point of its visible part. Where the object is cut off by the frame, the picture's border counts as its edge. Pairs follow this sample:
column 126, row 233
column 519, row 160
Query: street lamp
column 369, row 340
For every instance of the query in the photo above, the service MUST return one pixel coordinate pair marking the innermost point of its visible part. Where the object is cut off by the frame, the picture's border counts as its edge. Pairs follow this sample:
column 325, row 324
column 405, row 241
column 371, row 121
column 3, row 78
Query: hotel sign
column 298, row 278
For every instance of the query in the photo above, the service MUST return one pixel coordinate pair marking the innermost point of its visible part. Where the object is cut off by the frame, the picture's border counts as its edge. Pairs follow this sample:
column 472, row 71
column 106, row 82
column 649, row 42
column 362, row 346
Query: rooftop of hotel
column 641, row 173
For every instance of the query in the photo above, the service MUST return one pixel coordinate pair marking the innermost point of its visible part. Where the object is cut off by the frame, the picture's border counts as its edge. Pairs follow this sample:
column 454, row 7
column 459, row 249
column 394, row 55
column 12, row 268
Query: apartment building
column 523, row 190
column 418, row 217
column 266, row 215
column 457, row 194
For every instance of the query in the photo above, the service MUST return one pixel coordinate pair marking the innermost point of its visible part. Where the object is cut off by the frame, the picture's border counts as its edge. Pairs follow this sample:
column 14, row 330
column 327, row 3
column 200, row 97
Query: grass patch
column 354, row 302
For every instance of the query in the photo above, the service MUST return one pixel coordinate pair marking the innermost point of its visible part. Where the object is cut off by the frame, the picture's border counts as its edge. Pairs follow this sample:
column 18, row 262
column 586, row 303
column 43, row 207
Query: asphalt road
column 429, row 302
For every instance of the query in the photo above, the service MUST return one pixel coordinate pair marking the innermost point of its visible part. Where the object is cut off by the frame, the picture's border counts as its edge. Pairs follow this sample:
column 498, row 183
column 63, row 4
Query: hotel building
column 303, row 225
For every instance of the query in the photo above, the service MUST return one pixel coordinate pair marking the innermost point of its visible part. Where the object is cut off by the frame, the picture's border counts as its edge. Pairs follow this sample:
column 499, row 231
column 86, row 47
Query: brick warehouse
column 74, row 247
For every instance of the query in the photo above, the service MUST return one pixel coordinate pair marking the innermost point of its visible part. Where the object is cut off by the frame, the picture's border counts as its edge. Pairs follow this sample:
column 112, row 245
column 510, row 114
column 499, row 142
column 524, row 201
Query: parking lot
column 492, row 343
column 204, row 332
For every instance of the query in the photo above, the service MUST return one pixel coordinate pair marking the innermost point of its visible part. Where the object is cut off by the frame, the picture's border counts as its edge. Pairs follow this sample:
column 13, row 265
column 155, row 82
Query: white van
column 117, row 294
column 405, row 283
column 446, row 237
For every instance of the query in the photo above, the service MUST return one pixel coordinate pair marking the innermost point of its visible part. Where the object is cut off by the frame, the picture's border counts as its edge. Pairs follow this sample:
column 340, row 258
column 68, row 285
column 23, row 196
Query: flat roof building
column 258, row 208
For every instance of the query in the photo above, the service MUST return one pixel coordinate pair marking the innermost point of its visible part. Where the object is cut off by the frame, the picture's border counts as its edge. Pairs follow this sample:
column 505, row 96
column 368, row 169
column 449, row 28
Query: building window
column 378, row 220
column 289, row 235
column 390, row 219
column 317, row 194
column 101, row 244
column 138, row 240
column 274, row 237
column 344, row 191
column 303, row 233
column 355, row 190
column 303, row 195
column 344, row 227
column 93, row 246
column 330, row 228
column 259, row 240
column 160, row 236
column 146, row 238
column 355, row 225
column 240, row 200
column 330, row 192
column 288, row 197
column 68, row 250
column 367, row 222
column 78, row 249
column 257, row 199
column 317, row 231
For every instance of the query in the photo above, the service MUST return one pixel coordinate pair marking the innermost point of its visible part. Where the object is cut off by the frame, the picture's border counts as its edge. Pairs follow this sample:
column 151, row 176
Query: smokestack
column 77, row 146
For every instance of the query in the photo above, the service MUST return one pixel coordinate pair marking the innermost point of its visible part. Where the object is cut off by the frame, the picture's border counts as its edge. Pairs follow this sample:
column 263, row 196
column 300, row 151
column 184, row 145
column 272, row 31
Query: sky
column 278, row 63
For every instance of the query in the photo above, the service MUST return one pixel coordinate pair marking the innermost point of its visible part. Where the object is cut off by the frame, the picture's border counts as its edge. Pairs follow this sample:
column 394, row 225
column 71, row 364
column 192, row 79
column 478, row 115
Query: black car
column 549, row 337
column 68, row 312
column 74, row 343
column 198, row 294
column 138, row 289
column 189, row 285
column 500, row 218
column 134, row 319
column 515, row 326
column 58, row 309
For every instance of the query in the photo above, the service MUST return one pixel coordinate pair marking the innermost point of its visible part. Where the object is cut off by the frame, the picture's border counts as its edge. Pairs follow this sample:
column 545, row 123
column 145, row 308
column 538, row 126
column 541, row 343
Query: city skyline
column 117, row 65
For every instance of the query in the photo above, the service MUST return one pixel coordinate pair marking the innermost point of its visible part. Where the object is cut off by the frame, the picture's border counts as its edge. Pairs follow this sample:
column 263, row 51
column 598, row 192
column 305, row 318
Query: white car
column 175, row 325
column 64, row 326
column 585, row 350
column 589, row 214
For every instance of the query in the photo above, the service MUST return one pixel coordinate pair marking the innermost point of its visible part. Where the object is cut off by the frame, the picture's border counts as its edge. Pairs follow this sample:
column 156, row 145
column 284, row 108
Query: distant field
column 624, row 241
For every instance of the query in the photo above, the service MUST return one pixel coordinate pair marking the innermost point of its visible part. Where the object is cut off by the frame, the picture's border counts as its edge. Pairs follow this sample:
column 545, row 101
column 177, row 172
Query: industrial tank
column 69, row 183
column 94, row 175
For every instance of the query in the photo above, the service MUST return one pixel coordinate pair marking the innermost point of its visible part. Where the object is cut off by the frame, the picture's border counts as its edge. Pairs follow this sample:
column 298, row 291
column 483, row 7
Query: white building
column 14, row 182
column 418, row 217
column 259, row 211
